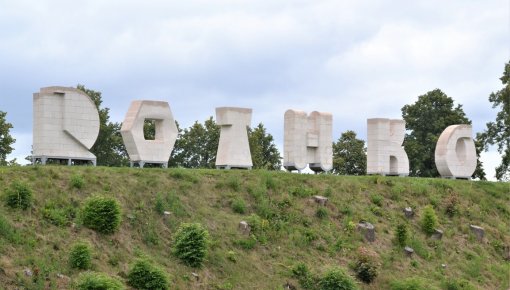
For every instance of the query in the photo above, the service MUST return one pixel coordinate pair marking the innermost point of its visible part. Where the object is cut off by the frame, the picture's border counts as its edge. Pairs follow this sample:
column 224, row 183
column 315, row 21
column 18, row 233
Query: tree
column 498, row 132
column 6, row 139
column 264, row 153
column 426, row 120
column 196, row 147
column 109, row 147
column 349, row 155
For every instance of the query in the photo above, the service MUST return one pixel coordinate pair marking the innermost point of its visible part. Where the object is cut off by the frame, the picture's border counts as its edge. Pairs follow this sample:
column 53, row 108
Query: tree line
column 425, row 120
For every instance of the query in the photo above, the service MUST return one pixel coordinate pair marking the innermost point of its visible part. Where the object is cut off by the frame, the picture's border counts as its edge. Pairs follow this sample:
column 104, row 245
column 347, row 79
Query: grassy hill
column 288, row 227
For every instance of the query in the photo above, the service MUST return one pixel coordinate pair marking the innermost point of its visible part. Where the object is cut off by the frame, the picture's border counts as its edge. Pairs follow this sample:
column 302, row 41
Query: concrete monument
column 233, row 149
column 140, row 150
column 455, row 154
column 66, row 125
column 385, row 154
column 308, row 140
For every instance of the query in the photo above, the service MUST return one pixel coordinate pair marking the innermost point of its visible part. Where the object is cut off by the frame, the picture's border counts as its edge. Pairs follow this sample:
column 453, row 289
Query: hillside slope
column 289, row 228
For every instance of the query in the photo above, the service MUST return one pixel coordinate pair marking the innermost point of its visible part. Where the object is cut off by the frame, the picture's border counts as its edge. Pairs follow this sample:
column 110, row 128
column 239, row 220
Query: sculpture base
column 142, row 163
column 457, row 177
column 388, row 174
column 62, row 160
column 228, row 167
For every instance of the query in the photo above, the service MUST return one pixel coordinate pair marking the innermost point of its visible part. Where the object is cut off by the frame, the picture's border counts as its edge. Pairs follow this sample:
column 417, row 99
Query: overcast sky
column 356, row 59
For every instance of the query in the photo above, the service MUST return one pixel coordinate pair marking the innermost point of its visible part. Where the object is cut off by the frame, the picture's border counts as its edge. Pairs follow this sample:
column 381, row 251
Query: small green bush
column 77, row 181
column 159, row 207
column 97, row 281
column 190, row 244
column 321, row 212
column 429, row 220
column 144, row 275
column 451, row 204
column 453, row 284
column 239, row 206
column 365, row 266
column 302, row 274
column 19, row 195
column 409, row 284
column 377, row 199
column 336, row 279
column 401, row 235
column 80, row 256
column 101, row 214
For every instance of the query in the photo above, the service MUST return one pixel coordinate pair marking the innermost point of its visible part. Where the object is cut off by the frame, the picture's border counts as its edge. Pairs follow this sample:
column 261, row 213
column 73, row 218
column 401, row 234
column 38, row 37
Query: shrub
column 409, row 284
column 451, row 203
column 80, row 256
column 377, row 199
column 101, row 214
column 159, row 207
column 401, row 235
column 77, row 181
column 239, row 206
column 97, row 281
column 336, row 279
column 302, row 274
column 144, row 275
column 190, row 244
column 452, row 284
column 366, row 266
column 19, row 195
column 321, row 212
column 429, row 220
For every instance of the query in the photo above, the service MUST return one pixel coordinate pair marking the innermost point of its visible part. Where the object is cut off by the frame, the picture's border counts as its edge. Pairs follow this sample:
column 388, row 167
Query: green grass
column 288, row 228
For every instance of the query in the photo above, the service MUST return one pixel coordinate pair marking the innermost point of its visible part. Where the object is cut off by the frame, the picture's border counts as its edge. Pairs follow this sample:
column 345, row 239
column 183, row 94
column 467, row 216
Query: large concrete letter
column 308, row 140
column 234, row 149
column 143, row 151
column 385, row 154
column 66, row 125
column 455, row 152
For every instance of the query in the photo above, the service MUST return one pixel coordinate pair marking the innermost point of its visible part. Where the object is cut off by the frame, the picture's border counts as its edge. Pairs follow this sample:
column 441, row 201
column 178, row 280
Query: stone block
column 234, row 148
column 409, row 251
column 437, row 235
column 408, row 212
column 455, row 154
column 144, row 151
column 244, row 228
column 385, row 154
column 321, row 200
column 368, row 231
column 308, row 141
column 478, row 231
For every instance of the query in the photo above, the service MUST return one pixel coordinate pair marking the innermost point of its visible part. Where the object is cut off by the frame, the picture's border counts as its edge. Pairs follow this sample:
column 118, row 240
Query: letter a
column 385, row 154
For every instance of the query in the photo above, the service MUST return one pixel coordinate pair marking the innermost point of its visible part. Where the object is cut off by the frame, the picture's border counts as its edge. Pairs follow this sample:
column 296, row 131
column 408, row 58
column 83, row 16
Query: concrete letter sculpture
column 66, row 125
column 455, row 154
column 233, row 149
column 143, row 151
column 308, row 140
column 385, row 154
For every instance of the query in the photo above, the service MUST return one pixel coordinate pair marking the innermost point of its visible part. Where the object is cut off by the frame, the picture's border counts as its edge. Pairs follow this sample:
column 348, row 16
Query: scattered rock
column 478, row 231
column 28, row 272
column 443, row 266
column 195, row 275
column 320, row 199
column 409, row 251
column 166, row 213
column 409, row 213
column 244, row 227
column 288, row 286
column 437, row 235
column 506, row 253
column 368, row 230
